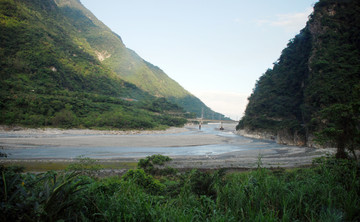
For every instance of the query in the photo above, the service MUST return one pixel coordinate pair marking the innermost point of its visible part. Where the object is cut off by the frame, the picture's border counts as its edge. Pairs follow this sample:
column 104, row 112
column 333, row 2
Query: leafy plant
column 57, row 194
column 340, row 126
column 144, row 180
column 85, row 166
column 328, row 190
column 152, row 164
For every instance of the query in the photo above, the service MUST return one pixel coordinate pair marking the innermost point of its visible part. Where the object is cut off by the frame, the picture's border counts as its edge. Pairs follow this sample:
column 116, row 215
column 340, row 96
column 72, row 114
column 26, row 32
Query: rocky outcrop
column 257, row 134
column 102, row 55
column 284, row 136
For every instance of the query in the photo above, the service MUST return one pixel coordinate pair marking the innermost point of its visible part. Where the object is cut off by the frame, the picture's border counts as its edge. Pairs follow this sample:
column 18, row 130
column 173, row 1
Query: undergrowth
column 327, row 191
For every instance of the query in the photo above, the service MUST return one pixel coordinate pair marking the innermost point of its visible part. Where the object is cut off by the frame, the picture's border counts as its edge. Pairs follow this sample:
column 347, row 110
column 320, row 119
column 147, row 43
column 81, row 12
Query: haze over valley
column 215, row 50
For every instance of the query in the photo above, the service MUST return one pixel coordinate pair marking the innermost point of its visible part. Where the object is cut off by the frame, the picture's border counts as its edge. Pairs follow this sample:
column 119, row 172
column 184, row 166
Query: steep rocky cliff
column 314, row 87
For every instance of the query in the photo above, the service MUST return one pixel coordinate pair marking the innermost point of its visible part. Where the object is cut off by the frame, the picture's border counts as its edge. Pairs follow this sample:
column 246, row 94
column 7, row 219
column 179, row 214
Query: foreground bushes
column 328, row 191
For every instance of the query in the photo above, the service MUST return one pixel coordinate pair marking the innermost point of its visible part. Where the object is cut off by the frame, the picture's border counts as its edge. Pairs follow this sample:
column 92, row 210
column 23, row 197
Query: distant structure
column 221, row 123
column 202, row 116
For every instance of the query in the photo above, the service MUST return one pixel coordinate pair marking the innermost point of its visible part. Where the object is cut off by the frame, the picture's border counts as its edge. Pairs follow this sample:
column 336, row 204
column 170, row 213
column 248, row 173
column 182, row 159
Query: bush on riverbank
column 328, row 191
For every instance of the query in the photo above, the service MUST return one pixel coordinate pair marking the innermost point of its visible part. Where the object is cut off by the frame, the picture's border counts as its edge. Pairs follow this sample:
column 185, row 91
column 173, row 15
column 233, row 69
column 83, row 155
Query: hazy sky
column 216, row 49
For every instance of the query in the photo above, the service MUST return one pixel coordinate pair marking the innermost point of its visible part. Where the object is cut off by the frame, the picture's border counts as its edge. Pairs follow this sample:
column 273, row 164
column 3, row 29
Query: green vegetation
column 314, row 87
column 44, row 166
column 50, row 74
column 110, row 50
column 85, row 110
column 278, row 95
column 327, row 191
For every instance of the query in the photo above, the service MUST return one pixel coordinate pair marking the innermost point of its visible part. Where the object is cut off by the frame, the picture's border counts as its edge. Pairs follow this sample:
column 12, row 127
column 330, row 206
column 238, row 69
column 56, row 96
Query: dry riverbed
column 173, row 138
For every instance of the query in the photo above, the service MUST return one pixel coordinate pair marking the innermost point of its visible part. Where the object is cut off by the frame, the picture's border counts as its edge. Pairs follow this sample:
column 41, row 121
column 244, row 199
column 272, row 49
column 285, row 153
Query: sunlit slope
column 109, row 49
column 52, row 75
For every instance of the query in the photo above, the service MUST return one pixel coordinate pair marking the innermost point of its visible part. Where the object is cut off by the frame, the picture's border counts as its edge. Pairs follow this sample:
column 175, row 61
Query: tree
column 340, row 126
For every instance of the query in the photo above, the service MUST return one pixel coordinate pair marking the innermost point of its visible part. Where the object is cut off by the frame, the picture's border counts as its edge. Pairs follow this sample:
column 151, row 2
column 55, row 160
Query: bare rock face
column 102, row 55
column 288, row 138
column 281, row 137
column 257, row 134
column 285, row 137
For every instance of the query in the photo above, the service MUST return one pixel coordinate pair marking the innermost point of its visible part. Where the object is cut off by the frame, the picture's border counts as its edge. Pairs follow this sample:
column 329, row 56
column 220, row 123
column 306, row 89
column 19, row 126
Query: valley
column 189, row 147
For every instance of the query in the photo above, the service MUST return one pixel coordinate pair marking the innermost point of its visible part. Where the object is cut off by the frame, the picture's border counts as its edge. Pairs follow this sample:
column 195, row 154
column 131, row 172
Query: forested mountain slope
column 51, row 73
column 313, row 90
column 109, row 49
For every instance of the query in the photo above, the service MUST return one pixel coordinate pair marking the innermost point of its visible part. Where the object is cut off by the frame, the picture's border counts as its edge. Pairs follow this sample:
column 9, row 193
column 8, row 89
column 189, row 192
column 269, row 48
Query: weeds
column 154, row 165
column 85, row 166
column 328, row 191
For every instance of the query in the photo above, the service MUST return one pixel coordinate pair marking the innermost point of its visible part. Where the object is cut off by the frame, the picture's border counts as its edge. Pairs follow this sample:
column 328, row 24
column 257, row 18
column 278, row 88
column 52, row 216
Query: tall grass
column 328, row 191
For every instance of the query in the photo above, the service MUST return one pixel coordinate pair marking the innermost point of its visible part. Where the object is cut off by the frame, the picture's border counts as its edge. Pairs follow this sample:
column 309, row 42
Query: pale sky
column 215, row 49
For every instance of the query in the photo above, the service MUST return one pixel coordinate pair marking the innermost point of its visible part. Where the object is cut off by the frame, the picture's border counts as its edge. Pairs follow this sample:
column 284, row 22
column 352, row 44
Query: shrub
column 85, row 166
column 144, row 180
column 65, row 118
column 151, row 164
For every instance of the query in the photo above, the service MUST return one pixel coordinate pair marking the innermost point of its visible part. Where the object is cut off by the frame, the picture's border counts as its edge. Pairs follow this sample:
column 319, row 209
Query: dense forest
column 50, row 76
column 311, row 96
column 111, row 52
column 61, row 67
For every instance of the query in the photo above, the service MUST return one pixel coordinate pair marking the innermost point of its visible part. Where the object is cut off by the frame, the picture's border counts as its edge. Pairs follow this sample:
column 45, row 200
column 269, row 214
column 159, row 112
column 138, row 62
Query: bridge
column 212, row 121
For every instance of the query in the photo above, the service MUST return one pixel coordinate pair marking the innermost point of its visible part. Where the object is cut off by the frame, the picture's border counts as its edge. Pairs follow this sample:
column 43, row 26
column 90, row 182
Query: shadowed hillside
column 312, row 94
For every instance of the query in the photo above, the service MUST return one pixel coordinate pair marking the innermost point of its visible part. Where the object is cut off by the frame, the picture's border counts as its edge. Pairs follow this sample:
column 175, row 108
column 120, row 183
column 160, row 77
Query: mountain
column 311, row 95
column 51, row 72
column 109, row 49
column 63, row 67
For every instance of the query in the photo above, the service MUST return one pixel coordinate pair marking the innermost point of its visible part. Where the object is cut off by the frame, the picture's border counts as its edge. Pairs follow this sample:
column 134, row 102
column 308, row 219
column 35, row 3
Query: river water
column 230, row 142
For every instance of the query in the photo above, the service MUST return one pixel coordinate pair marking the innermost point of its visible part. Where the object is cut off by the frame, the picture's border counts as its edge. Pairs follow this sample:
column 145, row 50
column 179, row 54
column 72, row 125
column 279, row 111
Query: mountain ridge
column 51, row 75
column 62, row 67
column 311, row 96
column 130, row 66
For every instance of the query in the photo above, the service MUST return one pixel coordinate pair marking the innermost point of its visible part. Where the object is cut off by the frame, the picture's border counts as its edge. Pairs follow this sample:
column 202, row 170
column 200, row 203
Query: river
column 23, row 146
column 207, row 143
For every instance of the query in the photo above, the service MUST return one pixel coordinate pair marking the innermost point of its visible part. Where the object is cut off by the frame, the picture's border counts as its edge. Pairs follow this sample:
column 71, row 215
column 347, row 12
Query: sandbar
column 188, row 136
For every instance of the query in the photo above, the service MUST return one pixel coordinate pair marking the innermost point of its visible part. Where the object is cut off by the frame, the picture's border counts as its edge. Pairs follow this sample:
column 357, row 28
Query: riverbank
column 287, row 157
column 78, row 138
column 128, row 147
column 20, row 131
